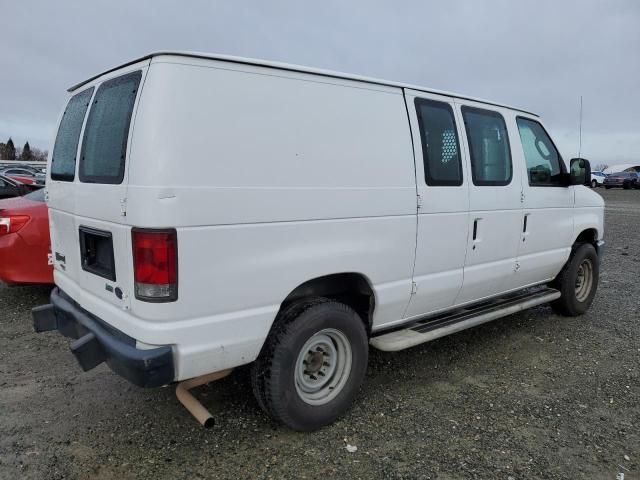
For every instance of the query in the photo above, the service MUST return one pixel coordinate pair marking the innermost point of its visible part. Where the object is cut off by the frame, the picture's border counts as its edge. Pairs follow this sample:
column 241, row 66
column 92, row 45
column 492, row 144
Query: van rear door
column 87, row 188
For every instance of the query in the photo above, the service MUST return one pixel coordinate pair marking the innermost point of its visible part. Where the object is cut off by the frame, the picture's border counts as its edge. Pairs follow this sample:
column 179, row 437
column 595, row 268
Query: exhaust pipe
column 194, row 407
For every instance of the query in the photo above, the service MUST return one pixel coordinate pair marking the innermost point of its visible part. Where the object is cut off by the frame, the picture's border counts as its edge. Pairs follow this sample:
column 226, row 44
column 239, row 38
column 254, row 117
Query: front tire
column 577, row 282
column 312, row 364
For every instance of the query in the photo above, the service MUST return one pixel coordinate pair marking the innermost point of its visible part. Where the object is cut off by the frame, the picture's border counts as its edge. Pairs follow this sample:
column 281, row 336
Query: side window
column 544, row 164
column 440, row 148
column 104, row 145
column 63, row 159
column 488, row 147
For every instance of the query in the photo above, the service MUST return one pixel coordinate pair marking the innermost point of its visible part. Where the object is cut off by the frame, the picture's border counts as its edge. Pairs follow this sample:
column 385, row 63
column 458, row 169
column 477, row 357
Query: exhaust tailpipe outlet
column 190, row 402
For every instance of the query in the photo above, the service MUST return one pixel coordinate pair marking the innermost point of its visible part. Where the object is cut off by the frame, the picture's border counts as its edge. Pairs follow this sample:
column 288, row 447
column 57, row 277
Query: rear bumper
column 98, row 342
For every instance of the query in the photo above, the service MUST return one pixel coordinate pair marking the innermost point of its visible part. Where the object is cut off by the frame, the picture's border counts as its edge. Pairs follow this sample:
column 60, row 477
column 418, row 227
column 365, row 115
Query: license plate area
column 96, row 252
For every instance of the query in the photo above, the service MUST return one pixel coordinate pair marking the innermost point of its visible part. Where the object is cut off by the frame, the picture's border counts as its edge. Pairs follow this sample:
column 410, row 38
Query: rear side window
column 544, row 164
column 440, row 149
column 104, row 145
column 63, row 160
column 36, row 195
column 488, row 146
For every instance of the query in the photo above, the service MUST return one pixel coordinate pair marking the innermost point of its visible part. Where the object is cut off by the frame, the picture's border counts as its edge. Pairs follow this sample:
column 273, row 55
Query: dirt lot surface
column 533, row 395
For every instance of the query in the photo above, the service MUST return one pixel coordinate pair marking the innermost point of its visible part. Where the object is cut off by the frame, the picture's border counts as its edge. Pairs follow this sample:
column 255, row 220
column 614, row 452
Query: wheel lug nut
column 325, row 364
column 321, row 373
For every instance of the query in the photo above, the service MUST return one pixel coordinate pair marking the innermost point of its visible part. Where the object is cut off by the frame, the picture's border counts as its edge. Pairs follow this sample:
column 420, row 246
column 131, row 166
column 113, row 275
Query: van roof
column 295, row 68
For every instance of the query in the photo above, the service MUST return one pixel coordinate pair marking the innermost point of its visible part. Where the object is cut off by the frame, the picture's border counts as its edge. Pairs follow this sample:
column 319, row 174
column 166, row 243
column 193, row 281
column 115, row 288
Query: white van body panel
column 274, row 176
column 301, row 176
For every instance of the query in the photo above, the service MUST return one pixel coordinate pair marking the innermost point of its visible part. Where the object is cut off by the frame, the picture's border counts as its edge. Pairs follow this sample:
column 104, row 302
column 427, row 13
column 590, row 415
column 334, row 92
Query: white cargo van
column 209, row 212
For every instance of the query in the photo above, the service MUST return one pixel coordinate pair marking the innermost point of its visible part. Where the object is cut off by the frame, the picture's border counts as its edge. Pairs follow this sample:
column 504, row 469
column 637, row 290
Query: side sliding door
column 443, row 203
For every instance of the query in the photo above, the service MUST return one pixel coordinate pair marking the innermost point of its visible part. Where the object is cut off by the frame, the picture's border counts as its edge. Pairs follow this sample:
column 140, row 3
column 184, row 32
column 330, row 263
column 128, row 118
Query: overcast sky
column 540, row 55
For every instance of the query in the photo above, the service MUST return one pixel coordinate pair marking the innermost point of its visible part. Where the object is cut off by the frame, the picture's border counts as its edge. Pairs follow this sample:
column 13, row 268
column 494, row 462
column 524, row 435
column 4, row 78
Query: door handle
column 525, row 227
column 476, row 226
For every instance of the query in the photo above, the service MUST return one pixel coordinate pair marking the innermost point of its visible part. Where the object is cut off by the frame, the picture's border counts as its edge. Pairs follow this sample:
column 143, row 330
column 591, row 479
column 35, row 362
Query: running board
column 452, row 322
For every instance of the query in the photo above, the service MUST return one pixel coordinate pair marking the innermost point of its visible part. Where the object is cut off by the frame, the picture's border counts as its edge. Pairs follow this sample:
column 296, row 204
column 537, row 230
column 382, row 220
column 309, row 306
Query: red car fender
column 24, row 254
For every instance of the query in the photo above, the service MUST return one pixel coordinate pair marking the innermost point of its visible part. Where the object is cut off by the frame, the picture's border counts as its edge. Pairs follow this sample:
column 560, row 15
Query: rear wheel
column 312, row 364
column 594, row 184
column 577, row 282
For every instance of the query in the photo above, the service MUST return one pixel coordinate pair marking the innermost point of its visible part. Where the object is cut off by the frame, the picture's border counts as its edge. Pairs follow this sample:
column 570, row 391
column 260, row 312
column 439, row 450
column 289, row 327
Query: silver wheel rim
column 584, row 280
column 323, row 367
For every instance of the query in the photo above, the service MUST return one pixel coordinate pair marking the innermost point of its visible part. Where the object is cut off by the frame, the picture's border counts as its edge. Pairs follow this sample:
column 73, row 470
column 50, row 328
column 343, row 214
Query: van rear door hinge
column 123, row 207
column 521, row 196
column 419, row 201
column 414, row 288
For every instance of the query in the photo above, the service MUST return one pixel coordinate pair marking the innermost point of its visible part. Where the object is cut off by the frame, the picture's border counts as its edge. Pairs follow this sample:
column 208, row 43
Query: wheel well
column 352, row 289
column 589, row 235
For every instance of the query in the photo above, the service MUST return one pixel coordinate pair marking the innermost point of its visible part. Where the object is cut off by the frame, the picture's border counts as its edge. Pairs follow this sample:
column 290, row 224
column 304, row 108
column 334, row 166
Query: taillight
column 155, row 264
column 12, row 223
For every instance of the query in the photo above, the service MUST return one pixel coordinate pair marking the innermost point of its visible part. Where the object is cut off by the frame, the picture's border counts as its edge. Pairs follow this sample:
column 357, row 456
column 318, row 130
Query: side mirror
column 580, row 172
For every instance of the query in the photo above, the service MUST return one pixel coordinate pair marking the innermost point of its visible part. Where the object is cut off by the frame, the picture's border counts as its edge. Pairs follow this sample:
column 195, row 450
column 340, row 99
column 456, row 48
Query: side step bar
column 452, row 322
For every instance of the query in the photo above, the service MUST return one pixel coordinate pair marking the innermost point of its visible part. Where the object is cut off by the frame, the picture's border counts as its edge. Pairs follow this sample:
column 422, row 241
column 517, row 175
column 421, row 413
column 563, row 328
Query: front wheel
column 577, row 282
column 312, row 364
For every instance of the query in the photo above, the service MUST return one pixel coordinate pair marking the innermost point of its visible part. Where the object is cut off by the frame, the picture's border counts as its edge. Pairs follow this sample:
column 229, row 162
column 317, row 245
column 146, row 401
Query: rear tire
column 594, row 184
column 312, row 364
column 577, row 282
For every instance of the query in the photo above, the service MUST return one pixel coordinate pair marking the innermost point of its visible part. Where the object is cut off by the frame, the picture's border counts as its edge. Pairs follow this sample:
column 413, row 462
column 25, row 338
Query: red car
column 24, row 240
column 21, row 179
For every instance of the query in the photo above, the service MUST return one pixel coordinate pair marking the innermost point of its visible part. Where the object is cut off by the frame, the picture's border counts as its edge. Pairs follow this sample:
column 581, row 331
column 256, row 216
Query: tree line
column 8, row 151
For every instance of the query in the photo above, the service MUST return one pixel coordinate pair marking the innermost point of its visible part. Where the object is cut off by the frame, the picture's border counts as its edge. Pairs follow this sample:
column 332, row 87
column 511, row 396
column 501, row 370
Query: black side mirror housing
column 579, row 172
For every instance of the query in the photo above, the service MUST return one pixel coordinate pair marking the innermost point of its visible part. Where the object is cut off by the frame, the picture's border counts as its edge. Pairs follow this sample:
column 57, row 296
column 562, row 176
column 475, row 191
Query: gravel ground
column 533, row 395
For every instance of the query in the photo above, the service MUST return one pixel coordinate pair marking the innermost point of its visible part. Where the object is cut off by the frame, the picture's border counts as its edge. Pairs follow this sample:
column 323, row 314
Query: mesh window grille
column 449, row 147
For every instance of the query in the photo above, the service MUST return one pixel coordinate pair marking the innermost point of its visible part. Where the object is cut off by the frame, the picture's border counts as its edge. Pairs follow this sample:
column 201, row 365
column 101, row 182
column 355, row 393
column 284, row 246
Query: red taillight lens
column 155, row 264
column 12, row 223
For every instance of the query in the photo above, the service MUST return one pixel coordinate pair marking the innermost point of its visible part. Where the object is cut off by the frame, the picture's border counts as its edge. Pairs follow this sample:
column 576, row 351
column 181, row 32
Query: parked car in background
column 12, row 188
column 24, row 240
column 25, row 174
column 625, row 180
column 597, row 179
column 23, row 180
